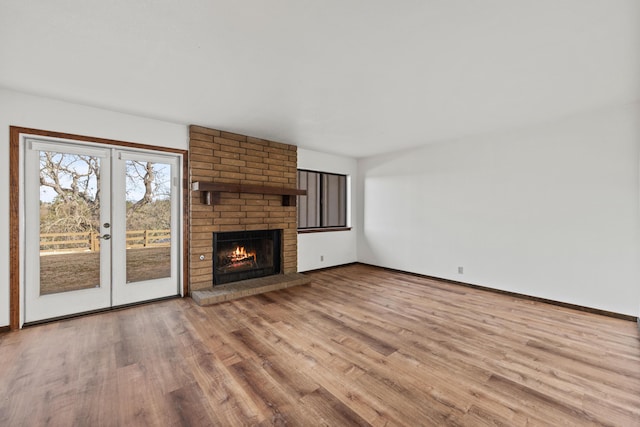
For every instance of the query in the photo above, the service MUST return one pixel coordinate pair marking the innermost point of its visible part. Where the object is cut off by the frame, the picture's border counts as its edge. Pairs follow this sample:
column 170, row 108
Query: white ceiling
column 351, row 77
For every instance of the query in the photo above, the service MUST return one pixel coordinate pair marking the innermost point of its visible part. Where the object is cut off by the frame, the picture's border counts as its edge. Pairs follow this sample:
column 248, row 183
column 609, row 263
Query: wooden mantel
column 210, row 191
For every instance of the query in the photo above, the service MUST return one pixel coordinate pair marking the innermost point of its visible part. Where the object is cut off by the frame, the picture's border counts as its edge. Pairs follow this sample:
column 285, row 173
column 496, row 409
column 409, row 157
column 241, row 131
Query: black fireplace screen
column 241, row 255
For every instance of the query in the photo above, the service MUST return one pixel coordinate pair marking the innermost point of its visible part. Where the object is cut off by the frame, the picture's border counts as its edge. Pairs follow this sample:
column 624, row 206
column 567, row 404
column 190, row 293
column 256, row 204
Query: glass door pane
column 69, row 222
column 148, row 220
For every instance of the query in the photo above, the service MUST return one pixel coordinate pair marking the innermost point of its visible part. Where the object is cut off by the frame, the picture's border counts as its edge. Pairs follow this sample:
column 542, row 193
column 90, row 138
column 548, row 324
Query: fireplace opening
column 241, row 255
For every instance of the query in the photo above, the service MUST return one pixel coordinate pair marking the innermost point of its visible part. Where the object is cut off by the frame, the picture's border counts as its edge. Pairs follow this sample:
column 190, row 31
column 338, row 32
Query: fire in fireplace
column 241, row 255
column 238, row 258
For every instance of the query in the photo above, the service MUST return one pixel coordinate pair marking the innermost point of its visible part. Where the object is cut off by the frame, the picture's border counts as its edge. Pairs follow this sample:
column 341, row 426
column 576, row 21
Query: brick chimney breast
column 223, row 157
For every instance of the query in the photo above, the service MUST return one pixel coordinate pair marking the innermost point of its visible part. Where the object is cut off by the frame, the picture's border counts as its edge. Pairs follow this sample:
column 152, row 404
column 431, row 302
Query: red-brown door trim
column 14, row 206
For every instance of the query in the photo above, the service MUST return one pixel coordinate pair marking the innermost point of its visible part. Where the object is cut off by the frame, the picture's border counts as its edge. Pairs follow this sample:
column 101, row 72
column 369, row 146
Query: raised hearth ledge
column 246, row 288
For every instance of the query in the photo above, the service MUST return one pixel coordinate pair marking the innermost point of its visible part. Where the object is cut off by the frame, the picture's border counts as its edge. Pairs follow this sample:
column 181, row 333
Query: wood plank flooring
column 358, row 346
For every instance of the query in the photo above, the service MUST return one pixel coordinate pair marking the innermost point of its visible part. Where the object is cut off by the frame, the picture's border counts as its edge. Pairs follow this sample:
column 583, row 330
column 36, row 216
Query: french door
column 102, row 227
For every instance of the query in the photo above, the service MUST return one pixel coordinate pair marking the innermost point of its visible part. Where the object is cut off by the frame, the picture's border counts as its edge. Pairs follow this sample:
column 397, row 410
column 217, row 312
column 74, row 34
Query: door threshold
column 99, row 311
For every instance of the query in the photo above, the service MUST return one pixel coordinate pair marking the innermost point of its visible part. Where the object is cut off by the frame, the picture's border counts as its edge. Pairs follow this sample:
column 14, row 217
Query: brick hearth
column 223, row 157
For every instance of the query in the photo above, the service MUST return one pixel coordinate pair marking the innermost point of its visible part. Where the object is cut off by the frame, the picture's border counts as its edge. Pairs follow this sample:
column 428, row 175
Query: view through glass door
column 101, row 227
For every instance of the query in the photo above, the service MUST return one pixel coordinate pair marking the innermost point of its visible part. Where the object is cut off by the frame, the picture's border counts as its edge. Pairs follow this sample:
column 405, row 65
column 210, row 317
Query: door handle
column 105, row 237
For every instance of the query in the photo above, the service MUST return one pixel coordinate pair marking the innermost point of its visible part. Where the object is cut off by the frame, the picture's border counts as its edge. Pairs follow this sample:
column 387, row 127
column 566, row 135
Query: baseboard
column 5, row 329
column 332, row 267
column 517, row 295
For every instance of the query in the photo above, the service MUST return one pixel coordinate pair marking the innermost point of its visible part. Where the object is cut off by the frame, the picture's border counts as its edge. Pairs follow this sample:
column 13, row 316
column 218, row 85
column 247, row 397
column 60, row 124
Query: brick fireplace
column 239, row 183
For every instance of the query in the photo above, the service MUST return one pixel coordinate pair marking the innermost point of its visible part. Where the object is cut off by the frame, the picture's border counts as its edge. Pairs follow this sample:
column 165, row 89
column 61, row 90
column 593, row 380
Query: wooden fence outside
column 90, row 241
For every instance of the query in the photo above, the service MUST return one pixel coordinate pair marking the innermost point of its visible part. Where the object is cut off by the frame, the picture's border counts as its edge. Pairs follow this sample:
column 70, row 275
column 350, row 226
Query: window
column 325, row 205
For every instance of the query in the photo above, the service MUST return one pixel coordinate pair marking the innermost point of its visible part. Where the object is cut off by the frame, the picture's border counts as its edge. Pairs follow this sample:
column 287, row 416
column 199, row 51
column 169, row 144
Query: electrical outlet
column 321, row 258
column 460, row 270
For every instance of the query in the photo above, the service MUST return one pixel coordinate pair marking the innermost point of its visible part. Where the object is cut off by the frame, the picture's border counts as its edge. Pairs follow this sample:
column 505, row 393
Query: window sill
column 322, row 230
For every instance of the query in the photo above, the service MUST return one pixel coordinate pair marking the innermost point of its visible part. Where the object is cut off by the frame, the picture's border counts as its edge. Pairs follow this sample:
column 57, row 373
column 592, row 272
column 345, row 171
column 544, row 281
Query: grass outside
column 70, row 272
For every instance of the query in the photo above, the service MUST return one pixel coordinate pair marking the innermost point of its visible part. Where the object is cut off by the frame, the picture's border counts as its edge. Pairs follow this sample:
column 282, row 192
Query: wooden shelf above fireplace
column 210, row 191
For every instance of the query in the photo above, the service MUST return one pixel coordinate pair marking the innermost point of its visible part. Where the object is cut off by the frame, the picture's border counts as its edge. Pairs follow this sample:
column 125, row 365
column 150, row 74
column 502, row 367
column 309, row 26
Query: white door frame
column 38, row 307
column 129, row 293
column 26, row 272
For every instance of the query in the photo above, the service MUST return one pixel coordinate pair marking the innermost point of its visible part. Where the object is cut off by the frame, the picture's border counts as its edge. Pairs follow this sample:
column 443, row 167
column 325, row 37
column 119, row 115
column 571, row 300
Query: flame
column 240, row 253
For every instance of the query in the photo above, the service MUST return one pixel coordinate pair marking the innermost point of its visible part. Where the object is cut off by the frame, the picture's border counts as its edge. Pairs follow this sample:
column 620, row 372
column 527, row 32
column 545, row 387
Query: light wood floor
column 358, row 346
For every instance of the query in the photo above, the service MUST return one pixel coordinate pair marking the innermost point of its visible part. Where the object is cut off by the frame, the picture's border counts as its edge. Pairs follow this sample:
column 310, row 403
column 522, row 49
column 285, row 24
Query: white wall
column 17, row 109
column 337, row 247
column 551, row 211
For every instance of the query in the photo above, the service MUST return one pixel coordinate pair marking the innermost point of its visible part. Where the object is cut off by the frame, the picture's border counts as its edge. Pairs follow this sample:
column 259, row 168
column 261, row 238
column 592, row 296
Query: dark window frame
column 319, row 220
